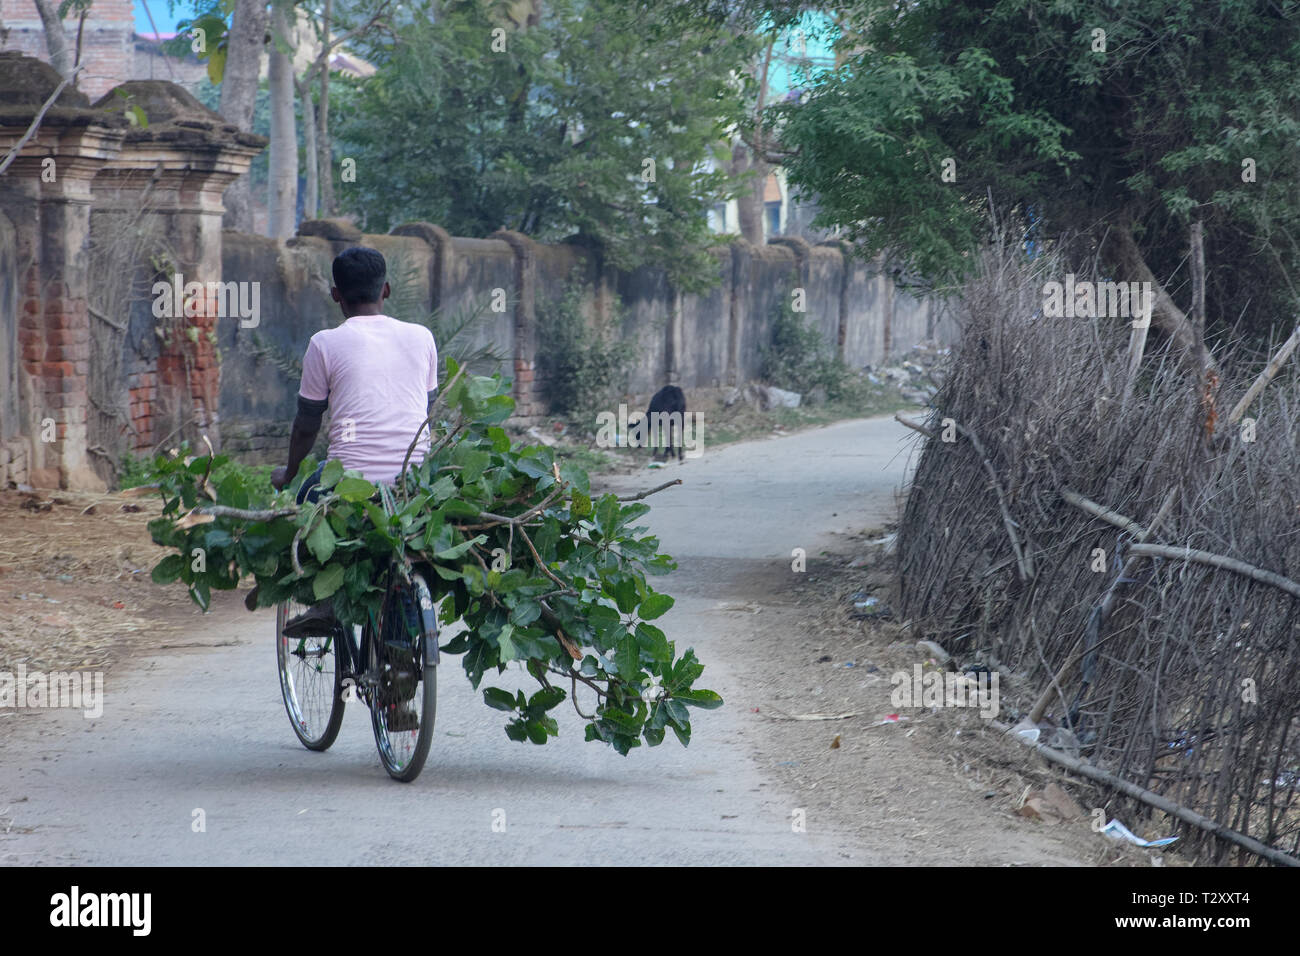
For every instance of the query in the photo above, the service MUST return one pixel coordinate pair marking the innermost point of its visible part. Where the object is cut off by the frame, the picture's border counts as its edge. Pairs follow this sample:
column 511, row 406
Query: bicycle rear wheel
column 311, row 681
column 402, row 748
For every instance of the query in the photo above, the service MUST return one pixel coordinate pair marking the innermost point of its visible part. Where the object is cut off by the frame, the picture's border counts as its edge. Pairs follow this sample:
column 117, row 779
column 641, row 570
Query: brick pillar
column 528, row 401
column 46, row 194
column 178, row 167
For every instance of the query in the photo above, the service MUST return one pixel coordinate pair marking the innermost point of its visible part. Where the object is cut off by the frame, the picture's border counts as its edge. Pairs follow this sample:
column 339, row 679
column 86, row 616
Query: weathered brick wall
column 74, row 401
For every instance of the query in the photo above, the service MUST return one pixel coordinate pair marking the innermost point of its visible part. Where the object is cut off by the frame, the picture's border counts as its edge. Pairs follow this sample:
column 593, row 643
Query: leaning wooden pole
column 1084, row 769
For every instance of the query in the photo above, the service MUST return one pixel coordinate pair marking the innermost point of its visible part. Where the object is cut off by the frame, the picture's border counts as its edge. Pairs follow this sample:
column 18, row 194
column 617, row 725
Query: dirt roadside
column 936, row 783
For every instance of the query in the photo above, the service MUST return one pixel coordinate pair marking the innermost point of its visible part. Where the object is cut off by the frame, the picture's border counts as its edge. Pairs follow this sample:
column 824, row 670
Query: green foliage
column 799, row 359
column 136, row 470
column 582, row 369
column 133, row 470
column 472, row 514
column 1152, row 131
column 551, row 135
column 206, row 35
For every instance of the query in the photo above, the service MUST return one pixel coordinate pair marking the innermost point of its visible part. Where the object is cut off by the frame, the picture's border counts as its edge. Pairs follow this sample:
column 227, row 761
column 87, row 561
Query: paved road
column 204, row 729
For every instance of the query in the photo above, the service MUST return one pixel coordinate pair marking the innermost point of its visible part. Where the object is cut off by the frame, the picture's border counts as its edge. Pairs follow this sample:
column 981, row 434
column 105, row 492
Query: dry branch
column 1266, row 376
column 1160, row 803
column 1024, row 560
column 915, row 426
column 1048, row 402
column 647, row 494
column 1104, row 513
column 1218, row 561
column 17, row 148
column 1179, row 553
column 1099, row 613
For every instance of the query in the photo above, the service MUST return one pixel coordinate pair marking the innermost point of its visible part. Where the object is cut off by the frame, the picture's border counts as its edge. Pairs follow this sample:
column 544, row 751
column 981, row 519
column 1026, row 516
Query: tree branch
column 36, row 123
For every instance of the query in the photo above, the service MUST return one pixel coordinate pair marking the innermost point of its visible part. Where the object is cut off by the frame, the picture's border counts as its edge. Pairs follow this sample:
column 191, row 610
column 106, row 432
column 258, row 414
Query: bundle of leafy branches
column 512, row 544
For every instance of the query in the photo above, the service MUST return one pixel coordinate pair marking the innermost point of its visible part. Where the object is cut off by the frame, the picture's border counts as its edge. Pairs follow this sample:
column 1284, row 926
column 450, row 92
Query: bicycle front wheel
column 402, row 715
column 311, row 681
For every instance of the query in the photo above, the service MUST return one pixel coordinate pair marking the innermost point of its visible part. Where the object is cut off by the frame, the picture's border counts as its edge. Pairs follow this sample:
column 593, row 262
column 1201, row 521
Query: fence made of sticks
column 1125, row 549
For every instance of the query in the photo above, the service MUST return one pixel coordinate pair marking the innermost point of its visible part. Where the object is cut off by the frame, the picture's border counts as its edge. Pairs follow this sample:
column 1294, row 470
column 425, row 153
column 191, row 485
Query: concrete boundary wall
column 709, row 339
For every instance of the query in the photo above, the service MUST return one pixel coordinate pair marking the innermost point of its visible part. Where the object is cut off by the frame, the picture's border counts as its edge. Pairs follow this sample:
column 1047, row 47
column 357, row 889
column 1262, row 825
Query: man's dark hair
column 359, row 275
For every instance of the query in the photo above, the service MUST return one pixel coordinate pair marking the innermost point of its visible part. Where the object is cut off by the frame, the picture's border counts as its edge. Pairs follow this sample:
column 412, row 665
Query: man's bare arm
column 306, row 426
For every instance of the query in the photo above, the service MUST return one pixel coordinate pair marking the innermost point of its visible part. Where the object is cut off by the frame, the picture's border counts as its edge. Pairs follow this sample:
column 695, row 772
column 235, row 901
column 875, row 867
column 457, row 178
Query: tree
column 282, row 191
column 318, row 150
column 587, row 117
column 239, row 83
column 1119, row 125
column 749, row 160
column 56, row 40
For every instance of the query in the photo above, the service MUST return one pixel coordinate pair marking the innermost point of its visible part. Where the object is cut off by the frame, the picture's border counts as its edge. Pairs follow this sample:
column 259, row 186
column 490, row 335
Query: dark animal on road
column 666, row 414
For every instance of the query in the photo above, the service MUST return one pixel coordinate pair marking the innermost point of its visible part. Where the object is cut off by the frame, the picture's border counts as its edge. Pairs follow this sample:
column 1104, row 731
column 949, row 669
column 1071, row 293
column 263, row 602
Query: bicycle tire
column 407, row 767
column 315, row 728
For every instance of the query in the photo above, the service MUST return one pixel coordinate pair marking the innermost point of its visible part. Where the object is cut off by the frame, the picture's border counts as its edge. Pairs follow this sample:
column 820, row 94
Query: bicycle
column 393, row 671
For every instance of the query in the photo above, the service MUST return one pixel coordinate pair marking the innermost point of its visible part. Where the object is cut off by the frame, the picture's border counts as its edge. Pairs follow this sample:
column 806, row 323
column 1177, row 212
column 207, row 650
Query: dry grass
column 74, row 584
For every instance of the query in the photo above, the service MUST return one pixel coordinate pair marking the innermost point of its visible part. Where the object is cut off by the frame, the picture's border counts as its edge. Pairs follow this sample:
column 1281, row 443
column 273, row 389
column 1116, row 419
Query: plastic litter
column 1117, row 831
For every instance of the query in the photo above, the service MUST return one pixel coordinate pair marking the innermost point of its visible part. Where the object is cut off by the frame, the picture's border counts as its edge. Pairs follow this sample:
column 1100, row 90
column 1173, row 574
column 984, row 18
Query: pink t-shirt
column 376, row 373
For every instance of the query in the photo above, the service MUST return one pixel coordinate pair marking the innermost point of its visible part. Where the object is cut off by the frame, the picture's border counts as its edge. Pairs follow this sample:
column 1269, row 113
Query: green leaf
column 355, row 489
column 480, row 656
column 581, row 505
column 607, row 515
column 653, row 643
column 451, row 554
column 321, row 542
column 655, row 605
column 327, row 581
column 498, row 699
column 442, row 489
column 330, row 474
column 627, row 658
column 704, row 699
column 505, row 646
column 217, row 65
column 545, row 699
column 625, row 593
column 168, row 569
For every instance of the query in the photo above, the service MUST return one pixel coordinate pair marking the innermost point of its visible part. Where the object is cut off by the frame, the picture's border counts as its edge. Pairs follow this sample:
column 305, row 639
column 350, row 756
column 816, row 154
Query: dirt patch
column 928, row 786
column 75, row 591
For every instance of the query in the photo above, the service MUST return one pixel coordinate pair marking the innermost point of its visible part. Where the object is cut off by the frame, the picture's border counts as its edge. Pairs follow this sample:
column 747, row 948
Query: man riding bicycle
column 377, row 375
